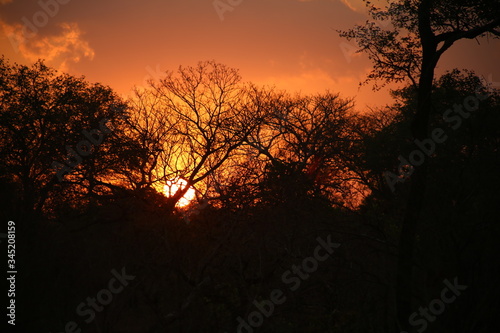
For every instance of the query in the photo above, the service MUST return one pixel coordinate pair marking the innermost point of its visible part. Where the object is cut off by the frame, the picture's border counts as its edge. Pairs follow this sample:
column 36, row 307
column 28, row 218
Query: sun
column 171, row 187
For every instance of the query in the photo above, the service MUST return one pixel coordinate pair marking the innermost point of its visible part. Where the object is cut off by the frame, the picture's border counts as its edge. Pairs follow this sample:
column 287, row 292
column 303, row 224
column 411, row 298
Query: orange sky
column 288, row 43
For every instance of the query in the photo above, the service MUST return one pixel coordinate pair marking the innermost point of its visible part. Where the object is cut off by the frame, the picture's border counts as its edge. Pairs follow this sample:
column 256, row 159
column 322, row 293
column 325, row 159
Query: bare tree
column 310, row 137
column 191, row 121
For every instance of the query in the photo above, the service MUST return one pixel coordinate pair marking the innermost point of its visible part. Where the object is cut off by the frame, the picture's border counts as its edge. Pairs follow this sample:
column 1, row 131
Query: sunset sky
column 292, row 44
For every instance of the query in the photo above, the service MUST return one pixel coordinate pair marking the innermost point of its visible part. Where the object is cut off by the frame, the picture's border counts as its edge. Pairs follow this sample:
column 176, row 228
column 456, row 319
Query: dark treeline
column 309, row 215
column 274, row 173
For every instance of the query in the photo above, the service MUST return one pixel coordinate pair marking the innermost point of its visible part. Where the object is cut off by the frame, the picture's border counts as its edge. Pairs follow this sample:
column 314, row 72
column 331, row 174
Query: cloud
column 58, row 50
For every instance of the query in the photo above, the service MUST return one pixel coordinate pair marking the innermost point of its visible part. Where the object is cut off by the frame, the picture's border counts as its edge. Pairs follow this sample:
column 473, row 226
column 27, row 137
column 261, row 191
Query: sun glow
column 171, row 187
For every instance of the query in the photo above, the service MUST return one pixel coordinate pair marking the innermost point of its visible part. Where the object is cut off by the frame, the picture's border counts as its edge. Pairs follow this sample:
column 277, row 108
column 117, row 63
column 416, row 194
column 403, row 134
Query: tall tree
column 423, row 31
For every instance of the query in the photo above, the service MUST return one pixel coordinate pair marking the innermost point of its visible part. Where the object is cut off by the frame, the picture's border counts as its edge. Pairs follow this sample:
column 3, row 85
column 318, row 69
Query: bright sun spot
column 173, row 185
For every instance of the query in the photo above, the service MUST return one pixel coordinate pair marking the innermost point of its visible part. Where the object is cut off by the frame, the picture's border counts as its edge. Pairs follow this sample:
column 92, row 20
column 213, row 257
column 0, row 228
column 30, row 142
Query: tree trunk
column 416, row 197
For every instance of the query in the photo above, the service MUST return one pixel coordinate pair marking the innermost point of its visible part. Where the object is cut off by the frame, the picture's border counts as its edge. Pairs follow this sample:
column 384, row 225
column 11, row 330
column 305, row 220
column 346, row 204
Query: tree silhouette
column 276, row 171
column 191, row 123
column 423, row 31
column 56, row 132
column 306, row 141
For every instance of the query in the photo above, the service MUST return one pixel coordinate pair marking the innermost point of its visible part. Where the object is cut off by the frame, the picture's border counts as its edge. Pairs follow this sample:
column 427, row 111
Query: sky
column 290, row 44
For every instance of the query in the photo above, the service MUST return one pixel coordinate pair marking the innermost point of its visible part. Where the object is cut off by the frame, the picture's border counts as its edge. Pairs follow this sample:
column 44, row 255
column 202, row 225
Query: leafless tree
column 190, row 122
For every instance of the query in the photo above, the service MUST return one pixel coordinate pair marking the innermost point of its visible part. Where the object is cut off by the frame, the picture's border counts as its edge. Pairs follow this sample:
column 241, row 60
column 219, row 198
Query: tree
column 56, row 133
column 191, row 123
column 304, row 145
column 423, row 31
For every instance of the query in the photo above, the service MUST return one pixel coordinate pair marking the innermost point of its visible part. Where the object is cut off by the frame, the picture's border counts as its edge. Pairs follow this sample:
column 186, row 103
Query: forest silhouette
column 408, row 193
